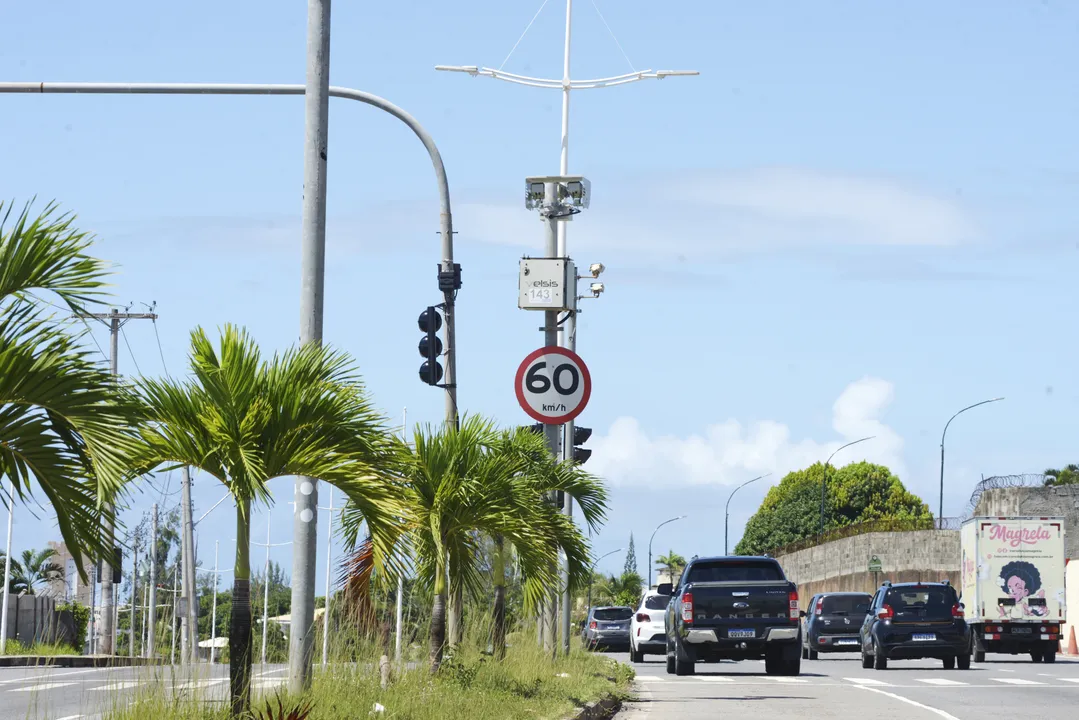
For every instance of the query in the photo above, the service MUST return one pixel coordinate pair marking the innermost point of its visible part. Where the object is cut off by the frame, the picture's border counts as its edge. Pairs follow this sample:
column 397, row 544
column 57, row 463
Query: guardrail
column 872, row 526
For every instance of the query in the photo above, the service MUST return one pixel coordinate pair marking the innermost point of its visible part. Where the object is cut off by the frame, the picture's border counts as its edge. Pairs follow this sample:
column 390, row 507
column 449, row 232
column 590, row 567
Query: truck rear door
column 739, row 599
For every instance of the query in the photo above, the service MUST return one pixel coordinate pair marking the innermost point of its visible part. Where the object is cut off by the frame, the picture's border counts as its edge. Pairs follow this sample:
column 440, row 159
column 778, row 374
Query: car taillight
column 820, row 606
column 592, row 625
column 687, row 608
column 886, row 613
column 641, row 617
column 794, row 604
column 957, row 612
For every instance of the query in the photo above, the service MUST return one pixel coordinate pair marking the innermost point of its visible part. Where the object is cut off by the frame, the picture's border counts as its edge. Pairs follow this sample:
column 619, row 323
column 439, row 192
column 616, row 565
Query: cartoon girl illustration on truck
column 1021, row 580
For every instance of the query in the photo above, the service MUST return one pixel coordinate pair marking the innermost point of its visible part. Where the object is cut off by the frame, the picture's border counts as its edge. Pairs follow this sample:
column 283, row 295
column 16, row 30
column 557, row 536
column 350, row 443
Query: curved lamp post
column 680, row 517
column 824, row 480
column 727, row 511
column 940, row 507
column 592, row 569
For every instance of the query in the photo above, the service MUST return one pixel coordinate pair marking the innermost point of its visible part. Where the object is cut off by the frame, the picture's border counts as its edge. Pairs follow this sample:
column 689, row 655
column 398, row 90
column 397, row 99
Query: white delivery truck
column 1012, row 577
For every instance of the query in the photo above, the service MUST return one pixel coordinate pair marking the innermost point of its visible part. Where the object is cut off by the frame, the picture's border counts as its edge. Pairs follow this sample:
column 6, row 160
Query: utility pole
column 189, row 618
column 151, row 611
column 134, row 596
column 114, row 320
column 313, row 269
column 175, row 598
column 398, row 633
column 326, row 610
column 7, row 564
column 213, row 612
column 567, row 337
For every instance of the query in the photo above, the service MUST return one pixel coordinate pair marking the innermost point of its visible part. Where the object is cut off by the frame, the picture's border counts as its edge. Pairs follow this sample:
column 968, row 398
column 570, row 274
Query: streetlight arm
column 829, row 460
column 969, row 407
column 612, row 552
column 747, row 482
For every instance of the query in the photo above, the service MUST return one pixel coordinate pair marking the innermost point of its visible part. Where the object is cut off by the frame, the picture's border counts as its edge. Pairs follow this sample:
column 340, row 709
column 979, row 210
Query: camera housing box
column 547, row 284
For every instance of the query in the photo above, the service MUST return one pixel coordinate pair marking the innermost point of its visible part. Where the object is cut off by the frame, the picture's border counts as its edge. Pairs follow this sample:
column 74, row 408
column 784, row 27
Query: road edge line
column 915, row 703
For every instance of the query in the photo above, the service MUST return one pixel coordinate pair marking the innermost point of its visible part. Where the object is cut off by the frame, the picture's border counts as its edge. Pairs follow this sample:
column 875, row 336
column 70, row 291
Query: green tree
column 624, row 589
column 673, row 563
column 33, row 569
column 631, row 557
column 856, row 493
column 66, row 426
column 1068, row 475
column 245, row 421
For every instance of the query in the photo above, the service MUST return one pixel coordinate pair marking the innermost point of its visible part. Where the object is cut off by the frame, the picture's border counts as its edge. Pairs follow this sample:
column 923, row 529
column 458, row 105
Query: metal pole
column 175, row 597
column 398, row 630
column 313, row 261
column 151, row 650
column 188, row 622
column 326, row 611
column 940, row 506
column 550, row 339
column 266, row 592
column 727, row 511
column 213, row 612
column 134, row 596
column 824, row 480
column 680, row 517
column 93, row 609
column 7, row 564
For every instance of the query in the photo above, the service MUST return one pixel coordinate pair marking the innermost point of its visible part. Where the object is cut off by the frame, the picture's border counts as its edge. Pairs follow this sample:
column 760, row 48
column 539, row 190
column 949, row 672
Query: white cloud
column 730, row 452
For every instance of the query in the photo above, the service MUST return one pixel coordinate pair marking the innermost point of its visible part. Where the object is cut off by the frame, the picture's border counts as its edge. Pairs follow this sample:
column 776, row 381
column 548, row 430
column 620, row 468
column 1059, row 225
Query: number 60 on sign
column 553, row 385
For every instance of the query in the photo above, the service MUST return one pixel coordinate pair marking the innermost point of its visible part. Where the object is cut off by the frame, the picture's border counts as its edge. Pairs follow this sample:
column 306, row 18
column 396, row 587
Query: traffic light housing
column 580, row 437
column 430, row 322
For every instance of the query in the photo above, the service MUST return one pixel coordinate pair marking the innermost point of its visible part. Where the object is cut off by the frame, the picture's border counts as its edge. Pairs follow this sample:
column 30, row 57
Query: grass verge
column 14, row 647
column 470, row 686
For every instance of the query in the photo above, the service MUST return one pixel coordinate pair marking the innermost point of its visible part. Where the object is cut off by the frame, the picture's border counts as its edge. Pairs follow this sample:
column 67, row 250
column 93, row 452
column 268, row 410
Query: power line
column 527, row 28
column 160, row 351
column 614, row 37
column 130, row 351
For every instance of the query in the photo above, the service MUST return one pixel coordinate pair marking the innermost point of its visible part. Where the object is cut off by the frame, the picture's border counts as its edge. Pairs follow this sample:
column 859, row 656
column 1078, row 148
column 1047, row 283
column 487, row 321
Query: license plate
column 1021, row 630
column 846, row 642
column 924, row 637
column 741, row 633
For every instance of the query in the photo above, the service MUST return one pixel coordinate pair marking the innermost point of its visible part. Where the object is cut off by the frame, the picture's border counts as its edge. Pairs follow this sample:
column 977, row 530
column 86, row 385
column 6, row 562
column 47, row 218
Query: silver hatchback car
column 608, row 627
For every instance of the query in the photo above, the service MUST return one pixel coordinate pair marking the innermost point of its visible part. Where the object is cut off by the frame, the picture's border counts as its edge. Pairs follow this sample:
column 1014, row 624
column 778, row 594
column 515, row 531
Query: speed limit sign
column 553, row 385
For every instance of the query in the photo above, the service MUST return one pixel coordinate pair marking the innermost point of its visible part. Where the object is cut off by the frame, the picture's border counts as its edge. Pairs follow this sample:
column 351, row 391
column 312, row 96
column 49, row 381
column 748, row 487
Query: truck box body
column 1012, row 571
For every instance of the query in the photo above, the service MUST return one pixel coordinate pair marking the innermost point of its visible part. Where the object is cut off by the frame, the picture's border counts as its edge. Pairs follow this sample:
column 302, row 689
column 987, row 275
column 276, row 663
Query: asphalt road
column 838, row 687
column 84, row 694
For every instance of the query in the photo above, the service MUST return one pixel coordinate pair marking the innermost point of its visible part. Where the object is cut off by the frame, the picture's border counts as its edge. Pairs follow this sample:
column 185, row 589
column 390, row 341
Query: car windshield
column 613, row 614
column 921, row 602
column 845, row 605
column 657, row 602
column 733, row 571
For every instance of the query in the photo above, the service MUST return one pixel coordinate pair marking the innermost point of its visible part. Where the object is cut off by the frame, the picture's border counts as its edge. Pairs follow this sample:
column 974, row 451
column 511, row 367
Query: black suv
column 908, row 621
column 832, row 623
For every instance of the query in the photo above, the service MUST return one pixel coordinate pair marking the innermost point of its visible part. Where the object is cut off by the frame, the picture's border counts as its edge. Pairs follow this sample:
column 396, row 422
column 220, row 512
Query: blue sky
column 858, row 219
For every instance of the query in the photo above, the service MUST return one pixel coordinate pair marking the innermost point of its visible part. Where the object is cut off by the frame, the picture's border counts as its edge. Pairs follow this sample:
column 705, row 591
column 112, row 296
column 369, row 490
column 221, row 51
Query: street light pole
column 940, row 507
column 680, row 517
column 727, row 511
column 592, row 571
column 824, row 480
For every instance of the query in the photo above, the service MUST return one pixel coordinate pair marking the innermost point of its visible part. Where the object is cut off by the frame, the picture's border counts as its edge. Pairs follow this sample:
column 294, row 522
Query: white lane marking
column 787, row 679
column 867, row 681
column 125, row 685
column 908, row 701
column 71, row 717
column 271, row 672
column 200, row 683
column 40, row 686
column 1016, row 681
column 1074, row 680
column 940, row 681
column 715, row 678
column 51, row 674
column 651, row 678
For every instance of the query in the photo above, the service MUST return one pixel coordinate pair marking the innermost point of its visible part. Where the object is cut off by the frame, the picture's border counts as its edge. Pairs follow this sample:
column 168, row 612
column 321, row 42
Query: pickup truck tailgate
column 748, row 605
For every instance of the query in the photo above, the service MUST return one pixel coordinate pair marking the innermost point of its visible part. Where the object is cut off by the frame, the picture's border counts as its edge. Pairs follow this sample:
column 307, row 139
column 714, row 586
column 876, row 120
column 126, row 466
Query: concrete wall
column 1038, row 502
column 843, row 565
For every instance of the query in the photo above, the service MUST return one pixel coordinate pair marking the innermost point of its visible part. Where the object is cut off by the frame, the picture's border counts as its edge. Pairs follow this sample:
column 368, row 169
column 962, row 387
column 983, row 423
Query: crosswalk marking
column 122, row 685
column 786, row 679
column 715, row 678
column 201, row 683
column 1017, row 681
column 41, row 686
column 867, row 681
column 940, row 681
column 1074, row 680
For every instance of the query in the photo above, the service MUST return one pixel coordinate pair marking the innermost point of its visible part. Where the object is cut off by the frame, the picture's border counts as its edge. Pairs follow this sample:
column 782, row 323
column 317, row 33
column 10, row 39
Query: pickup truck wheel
column 1036, row 656
column 805, row 654
column 683, row 663
column 963, row 662
column 670, row 665
column 879, row 661
column 1050, row 656
column 812, row 655
column 949, row 662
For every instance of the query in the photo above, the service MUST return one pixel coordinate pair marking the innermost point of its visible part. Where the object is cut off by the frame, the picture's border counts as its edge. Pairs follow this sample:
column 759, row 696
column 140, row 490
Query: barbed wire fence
column 1001, row 482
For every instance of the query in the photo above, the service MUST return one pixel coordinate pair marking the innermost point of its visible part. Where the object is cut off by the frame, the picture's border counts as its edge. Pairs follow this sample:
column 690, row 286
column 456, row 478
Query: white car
column 647, row 635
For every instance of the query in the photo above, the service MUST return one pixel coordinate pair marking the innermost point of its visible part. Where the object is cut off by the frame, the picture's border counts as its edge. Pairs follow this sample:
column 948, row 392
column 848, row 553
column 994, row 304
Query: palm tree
column 462, row 483
column 35, row 568
column 672, row 562
column 246, row 421
column 624, row 589
column 64, row 423
column 1069, row 475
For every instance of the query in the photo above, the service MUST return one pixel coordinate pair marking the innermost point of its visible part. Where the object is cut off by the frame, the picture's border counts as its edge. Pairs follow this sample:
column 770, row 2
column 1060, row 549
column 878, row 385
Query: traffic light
column 580, row 437
column 430, row 345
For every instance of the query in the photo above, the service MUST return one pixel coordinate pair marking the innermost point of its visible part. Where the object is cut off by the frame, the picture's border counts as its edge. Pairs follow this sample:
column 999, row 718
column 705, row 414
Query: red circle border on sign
column 586, row 378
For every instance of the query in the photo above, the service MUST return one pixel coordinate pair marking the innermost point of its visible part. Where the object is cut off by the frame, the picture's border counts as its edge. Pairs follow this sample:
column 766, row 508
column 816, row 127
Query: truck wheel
column 791, row 663
column 670, row 659
column 805, row 654
column 683, row 663
column 964, row 662
column 812, row 655
column 1050, row 656
column 879, row 661
column 1036, row 656
column 949, row 662
column 979, row 656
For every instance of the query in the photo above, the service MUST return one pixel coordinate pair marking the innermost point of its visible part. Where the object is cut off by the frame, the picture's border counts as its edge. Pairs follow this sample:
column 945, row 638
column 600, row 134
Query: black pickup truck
column 733, row 608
